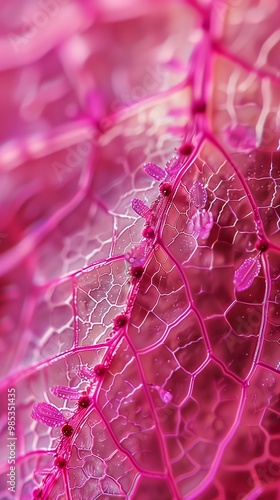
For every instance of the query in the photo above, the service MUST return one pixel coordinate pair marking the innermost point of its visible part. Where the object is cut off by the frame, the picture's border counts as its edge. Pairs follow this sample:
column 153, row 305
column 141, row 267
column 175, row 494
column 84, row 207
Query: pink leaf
column 154, row 171
column 246, row 273
column 47, row 414
column 182, row 394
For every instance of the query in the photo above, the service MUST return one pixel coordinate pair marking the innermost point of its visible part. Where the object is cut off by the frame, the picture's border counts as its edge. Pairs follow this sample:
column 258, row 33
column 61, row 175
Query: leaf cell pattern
column 140, row 240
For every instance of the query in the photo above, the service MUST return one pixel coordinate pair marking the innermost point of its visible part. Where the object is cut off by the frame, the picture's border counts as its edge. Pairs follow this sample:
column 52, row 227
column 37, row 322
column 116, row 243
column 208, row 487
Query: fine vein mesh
column 140, row 305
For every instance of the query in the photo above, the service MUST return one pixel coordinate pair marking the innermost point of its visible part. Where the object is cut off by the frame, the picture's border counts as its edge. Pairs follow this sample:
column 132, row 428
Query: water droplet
column 47, row 414
column 246, row 273
column 154, row 171
column 268, row 382
column 198, row 195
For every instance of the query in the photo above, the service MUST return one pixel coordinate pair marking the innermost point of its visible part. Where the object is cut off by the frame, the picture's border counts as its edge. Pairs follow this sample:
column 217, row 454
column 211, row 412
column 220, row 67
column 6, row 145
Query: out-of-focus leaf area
column 140, row 250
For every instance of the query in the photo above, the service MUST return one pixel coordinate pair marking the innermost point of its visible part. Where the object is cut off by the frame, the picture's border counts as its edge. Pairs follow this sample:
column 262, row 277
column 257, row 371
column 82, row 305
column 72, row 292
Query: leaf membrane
column 178, row 348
